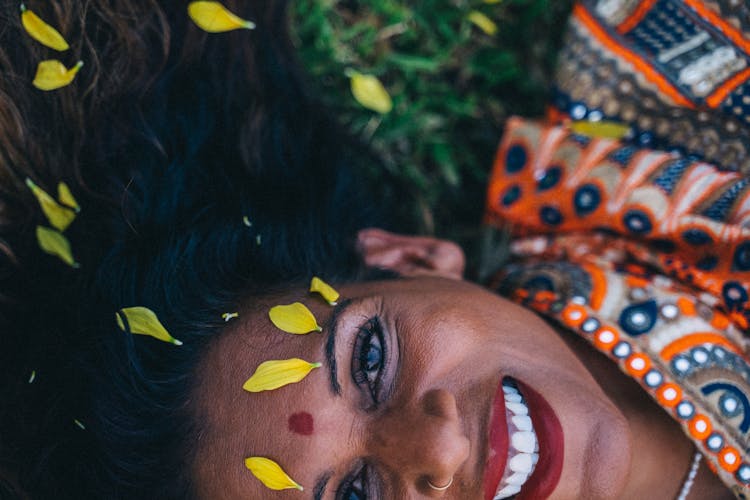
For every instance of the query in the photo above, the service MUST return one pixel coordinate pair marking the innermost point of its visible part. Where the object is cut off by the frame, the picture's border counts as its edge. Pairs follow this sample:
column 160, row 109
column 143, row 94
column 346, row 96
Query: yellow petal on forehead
column 66, row 197
column 143, row 321
column 54, row 243
column 271, row 474
column 215, row 18
column 482, row 22
column 41, row 31
column 602, row 129
column 58, row 216
column 325, row 290
column 277, row 373
column 294, row 318
column 52, row 74
column 370, row 93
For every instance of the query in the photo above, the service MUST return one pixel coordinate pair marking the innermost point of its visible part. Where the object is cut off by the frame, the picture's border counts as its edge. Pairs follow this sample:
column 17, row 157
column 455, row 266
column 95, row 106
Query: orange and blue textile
column 646, row 255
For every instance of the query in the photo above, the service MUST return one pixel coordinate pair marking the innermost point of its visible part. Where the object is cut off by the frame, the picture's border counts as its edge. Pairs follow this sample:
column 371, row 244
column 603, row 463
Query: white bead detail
column 690, row 479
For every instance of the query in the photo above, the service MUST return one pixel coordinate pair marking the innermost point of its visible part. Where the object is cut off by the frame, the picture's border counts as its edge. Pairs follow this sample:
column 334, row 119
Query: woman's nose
column 423, row 441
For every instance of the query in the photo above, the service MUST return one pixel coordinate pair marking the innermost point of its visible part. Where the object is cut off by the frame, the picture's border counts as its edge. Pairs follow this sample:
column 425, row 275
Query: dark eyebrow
column 330, row 354
column 320, row 485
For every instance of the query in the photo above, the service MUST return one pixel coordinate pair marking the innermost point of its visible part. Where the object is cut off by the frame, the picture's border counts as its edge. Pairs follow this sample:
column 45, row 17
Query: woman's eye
column 356, row 488
column 369, row 358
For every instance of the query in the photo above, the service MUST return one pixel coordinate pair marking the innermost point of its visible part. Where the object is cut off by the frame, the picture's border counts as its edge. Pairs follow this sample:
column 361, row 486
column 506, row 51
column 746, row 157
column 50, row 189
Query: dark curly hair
column 168, row 137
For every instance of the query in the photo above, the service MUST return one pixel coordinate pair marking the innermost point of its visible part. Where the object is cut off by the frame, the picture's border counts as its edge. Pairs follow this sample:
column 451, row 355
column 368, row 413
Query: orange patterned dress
column 641, row 245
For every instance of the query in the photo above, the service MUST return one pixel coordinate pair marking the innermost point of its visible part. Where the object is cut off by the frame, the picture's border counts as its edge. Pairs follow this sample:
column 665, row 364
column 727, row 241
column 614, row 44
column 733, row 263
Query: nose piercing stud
column 440, row 488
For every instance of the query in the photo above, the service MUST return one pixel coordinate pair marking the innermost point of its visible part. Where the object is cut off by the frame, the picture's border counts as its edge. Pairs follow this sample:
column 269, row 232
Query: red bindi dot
column 301, row 423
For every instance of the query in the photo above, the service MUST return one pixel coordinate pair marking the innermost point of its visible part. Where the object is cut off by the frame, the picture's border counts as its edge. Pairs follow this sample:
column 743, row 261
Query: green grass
column 453, row 86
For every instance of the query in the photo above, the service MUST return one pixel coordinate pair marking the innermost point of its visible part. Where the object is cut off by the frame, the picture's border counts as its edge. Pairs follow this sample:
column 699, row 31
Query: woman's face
column 409, row 393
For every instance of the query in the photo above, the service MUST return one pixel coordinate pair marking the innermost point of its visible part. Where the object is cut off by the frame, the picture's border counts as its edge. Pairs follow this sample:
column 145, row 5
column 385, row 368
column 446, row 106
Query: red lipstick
column 546, row 475
column 498, row 445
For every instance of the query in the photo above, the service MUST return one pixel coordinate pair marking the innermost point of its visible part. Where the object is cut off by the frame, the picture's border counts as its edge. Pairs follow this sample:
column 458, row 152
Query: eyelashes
column 369, row 358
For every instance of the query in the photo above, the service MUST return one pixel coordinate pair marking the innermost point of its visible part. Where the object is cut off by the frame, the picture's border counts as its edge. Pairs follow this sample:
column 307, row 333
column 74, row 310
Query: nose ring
column 440, row 488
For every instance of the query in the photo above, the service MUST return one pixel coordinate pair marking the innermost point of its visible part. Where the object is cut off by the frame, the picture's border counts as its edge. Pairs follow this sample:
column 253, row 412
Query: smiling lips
column 525, row 444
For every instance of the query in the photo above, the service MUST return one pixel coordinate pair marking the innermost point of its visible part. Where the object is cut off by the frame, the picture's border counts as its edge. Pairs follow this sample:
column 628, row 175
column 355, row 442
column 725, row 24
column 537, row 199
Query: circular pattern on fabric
column 681, row 365
column 586, row 199
column 741, row 261
column 515, row 158
column 622, row 350
column 669, row 311
column 590, row 325
column 549, row 178
column 685, row 410
column 707, row 263
column 637, row 222
column 637, row 319
column 653, row 379
column 734, row 295
column 511, row 195
column 729, row 405
column 550, row 215
column 714, row 442
column 743, row 473
column 696, row 237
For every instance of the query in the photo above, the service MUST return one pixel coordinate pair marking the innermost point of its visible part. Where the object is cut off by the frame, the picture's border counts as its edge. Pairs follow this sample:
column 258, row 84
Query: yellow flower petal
column 370, row 93
column 215, row 18
column 327, row 291
column 58, row 216
column 54, row 243
column 227, row 316
column 270, row 474
column 277, row 373
column 66, row 197
column 603, row 129
column 52, row 74
column 41, row 31
column 294, row 318
column 143, row 321
column 482, row 22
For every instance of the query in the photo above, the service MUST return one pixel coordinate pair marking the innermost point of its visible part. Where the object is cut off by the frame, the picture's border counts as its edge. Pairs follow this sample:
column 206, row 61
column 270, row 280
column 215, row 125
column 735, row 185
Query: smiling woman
column 178, row 342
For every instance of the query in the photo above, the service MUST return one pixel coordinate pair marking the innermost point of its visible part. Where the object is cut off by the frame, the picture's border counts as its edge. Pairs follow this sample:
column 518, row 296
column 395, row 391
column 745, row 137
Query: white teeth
column 518, row 478
column 521, row 463
column 522, row 422
column 524, row 446
column 524, row 441
column 513, row 398
column 509, row 490
column 517, row 408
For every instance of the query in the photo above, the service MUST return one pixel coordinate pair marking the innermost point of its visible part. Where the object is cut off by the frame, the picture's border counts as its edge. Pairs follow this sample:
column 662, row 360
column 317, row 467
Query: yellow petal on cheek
column 370, row 93
column 325, row 290
column 143, row 321
column 58, row 216
column 271, row 474
column 54, row 243
column 482, row 22
column 52, row 74
column 215, row 18
column 227, row 316
column 602, row 129
column 277, row 373
column 294, row 318
column 41, row 31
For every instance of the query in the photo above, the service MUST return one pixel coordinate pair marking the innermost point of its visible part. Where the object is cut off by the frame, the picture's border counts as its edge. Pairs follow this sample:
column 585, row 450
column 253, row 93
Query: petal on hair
column 325, row 290
column 143, row 321
column 271, row 474
column 227, row 316
column 277, row 373
column 52, row 74
column 215, row 18
column 54, row 243
column 602, row 129
column 41, row 31
column 482, row 22
column 58, row 216
column 370, row 93
column 294, row 318
column 66, row 197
